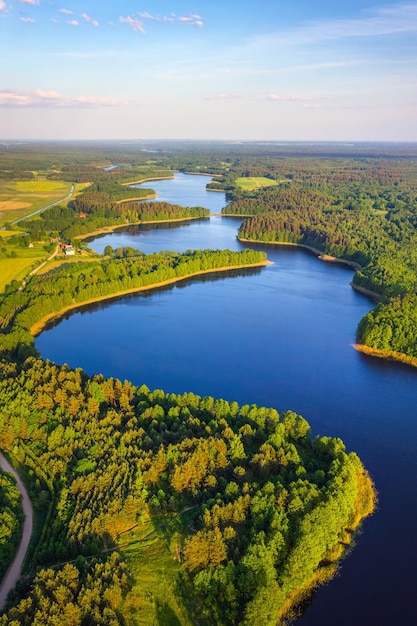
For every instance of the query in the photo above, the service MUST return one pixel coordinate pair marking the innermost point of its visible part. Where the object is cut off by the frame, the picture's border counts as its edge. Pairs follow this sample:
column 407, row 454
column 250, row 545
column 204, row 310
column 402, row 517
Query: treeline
column 79, row 282
column 269, row 508
column 16, row 174
column 94, row 210
column 11, row 518
column 92, row 174
column 110, row 191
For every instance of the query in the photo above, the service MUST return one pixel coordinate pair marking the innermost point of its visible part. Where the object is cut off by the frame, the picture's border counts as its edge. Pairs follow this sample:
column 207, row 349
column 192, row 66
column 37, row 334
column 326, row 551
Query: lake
column 277, row 336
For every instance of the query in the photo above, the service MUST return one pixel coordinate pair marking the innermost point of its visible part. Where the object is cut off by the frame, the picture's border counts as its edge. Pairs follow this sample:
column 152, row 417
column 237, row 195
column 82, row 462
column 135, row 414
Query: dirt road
column 13, row 573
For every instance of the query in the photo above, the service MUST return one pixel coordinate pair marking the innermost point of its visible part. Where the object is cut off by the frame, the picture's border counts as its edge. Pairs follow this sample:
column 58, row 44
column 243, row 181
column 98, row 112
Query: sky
column 278, row 70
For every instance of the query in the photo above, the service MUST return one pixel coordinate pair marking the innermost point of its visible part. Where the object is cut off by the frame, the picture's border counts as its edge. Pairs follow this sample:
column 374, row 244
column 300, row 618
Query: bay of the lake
column 278, row 336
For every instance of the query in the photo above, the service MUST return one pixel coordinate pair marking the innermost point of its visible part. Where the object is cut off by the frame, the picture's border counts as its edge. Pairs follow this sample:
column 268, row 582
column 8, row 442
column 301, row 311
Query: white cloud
column 65, row 11
column 89, row 19
column 223, row 96
column 28, row 1
column 133, row 22
column 2, row 5
column 72, row 22
column 30, row 20
column 193, row 19
column 41, row 98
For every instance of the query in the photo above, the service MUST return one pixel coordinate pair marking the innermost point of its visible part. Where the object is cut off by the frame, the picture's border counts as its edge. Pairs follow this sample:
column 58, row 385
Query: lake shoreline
column 320, row 255
column 387, row 355
column 148, row 197
column 324, row 573
column 367, row 292
column 145, row 180
column 40, row 325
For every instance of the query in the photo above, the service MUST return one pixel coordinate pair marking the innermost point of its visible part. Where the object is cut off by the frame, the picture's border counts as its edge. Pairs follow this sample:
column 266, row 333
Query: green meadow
column 255, row 182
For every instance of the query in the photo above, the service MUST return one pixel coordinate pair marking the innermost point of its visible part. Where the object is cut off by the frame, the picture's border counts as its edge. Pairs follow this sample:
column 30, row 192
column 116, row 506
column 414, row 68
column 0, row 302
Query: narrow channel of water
column 278, row 336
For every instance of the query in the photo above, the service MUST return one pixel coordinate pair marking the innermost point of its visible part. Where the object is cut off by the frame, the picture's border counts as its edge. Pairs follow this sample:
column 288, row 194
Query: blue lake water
column 277, row 336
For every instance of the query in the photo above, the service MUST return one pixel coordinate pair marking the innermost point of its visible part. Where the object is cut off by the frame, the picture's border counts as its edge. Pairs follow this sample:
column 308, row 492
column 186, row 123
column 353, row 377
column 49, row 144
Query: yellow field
column 255, row 182
column 10, row 233
column 14, row 269
column 22, row 197
column 13, row 205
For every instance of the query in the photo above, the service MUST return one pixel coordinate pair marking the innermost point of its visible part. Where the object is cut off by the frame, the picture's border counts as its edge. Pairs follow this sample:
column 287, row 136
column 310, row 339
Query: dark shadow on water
column 134, row 229
column 148, row 293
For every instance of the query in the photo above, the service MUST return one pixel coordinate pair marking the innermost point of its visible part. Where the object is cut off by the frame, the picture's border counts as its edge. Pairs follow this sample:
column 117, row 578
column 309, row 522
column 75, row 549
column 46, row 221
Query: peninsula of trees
column 256, row 512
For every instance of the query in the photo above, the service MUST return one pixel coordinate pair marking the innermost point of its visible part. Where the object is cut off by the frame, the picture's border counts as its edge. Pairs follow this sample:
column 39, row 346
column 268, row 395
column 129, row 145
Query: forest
column 253, row 512
column 270, row 509
column 374, row 227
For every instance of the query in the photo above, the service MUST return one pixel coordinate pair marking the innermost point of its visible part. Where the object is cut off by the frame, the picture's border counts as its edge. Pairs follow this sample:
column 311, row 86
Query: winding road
column 14, row 571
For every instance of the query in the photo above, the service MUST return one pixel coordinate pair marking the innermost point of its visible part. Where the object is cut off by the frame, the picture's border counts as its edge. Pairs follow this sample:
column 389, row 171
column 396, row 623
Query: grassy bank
column 389, row 355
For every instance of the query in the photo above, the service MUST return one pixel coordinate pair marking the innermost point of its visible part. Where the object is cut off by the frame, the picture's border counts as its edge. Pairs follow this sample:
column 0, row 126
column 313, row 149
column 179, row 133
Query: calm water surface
column 278, row 336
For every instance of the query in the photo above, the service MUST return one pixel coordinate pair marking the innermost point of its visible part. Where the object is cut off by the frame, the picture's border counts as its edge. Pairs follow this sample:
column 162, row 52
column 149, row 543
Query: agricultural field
column 22, row 197
column 4, row 234
column 255, row 182
column 16, row 262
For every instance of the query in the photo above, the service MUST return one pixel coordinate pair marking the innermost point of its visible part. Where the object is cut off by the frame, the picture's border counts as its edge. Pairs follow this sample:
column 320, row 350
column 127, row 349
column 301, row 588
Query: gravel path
column 13, row 573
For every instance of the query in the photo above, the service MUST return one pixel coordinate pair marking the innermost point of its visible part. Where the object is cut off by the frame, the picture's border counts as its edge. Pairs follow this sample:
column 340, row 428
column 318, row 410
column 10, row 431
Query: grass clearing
column 154, row 598
column 255, row 182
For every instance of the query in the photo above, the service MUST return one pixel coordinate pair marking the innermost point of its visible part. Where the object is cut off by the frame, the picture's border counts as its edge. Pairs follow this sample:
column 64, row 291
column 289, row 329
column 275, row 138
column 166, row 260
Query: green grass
column 255, row 182
column 154, row 573
column 16, row 268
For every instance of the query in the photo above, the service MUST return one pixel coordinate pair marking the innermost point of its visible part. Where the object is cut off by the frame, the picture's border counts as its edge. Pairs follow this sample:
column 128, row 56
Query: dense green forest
column 373, row 224
column 270, row 509
column 11, row 517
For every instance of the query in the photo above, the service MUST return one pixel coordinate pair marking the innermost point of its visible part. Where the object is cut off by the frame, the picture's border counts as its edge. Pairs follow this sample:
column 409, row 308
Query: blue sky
column 277, row 70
